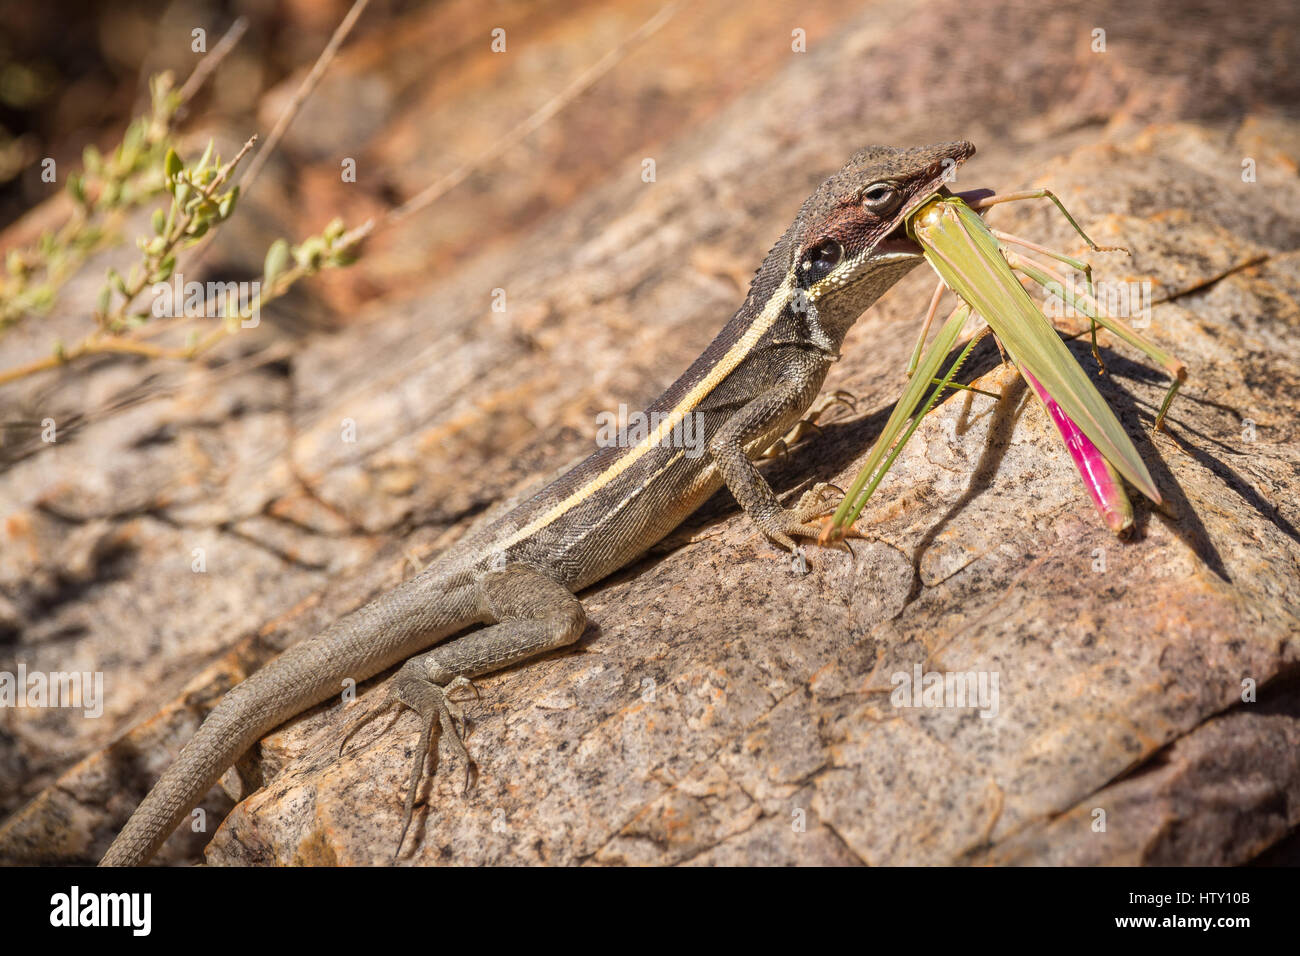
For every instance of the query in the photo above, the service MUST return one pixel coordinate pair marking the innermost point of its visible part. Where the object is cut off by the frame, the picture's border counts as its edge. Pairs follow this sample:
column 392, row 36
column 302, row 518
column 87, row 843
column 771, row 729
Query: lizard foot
column 788, row 523
column 816, row 506
column 364, row 718
column 436, row 706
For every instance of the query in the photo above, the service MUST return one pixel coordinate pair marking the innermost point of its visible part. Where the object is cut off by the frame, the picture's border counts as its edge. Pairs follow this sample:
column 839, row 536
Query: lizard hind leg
column 435, row 706
column 534, row 614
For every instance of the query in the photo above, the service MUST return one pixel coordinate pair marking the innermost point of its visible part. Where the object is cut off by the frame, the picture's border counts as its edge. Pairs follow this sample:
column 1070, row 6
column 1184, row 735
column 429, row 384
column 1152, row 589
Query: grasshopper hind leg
column 981, row 199
column 1049, row 278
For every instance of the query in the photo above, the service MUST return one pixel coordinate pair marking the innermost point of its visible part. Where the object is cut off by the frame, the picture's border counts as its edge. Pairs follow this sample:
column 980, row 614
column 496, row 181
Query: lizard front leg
column 742, row 478
column 534, row 614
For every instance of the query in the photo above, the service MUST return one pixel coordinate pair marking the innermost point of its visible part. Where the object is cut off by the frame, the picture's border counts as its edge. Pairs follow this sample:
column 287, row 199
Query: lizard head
column 849, row 242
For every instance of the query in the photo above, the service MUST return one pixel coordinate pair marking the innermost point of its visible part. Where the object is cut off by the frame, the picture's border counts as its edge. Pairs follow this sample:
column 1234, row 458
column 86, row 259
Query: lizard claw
column 812, row 504
column 828, row 536
column 461, row 683
column 435, row 707
column 457, row 712
column 810, row 518
column 832, row 536
column 365, row 718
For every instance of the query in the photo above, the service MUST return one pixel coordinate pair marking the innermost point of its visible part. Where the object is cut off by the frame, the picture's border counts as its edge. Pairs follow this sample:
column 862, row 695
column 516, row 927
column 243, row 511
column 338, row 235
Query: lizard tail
column 360, row 645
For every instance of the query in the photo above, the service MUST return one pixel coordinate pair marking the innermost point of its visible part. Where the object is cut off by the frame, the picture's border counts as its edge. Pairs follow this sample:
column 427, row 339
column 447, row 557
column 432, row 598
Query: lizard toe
column 436, row 710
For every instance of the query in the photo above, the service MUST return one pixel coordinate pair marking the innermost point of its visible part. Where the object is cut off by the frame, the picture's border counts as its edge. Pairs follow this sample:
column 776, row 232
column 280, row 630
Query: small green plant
column 145, row 166
column 102, row 192
column 197, row 204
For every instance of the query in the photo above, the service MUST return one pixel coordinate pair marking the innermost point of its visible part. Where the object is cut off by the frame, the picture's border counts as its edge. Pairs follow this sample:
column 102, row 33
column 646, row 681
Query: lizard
column 518, row 575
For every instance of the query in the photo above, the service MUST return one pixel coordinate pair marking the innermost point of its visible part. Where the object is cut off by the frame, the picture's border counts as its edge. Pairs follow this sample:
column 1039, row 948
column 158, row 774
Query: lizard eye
column 881, row 198
column 821, row 259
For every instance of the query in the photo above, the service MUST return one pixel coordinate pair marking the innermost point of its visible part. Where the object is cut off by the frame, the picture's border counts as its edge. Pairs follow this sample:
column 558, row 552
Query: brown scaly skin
column 518, row 573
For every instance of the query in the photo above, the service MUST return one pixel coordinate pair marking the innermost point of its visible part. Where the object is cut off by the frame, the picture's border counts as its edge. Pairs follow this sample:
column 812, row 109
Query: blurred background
column 418, row 91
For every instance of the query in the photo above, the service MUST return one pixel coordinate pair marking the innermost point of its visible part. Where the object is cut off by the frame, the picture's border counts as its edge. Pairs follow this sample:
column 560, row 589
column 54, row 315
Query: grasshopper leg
column 1047, row 277
column 1078, row 265
column 967, row 388
column 925, row 327
column 980, row 200
column 962, row 340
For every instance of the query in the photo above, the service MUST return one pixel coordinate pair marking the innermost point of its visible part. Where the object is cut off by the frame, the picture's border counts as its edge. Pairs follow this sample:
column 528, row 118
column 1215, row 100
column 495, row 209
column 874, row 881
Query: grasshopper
column 969, row 259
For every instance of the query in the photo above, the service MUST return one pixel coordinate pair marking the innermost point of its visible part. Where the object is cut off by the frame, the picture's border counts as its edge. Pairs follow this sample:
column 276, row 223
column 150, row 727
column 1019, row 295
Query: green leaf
column 277, row 257
column 134, row 136
column 172, row 163
column 42, row 297
column 207, row 155
column 165, row 268
column 227, row 204
column 309, row 254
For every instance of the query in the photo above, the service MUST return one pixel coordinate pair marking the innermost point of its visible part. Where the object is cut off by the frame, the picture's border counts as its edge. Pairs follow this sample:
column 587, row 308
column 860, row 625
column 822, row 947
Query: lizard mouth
column 897, row 243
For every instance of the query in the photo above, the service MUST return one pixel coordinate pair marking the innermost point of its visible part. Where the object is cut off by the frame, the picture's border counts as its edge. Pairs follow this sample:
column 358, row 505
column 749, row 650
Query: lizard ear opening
column 820, row 259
